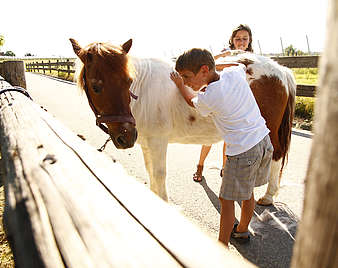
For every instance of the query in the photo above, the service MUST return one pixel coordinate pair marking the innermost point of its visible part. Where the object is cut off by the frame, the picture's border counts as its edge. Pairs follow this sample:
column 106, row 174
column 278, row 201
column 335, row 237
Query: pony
column 135, row 98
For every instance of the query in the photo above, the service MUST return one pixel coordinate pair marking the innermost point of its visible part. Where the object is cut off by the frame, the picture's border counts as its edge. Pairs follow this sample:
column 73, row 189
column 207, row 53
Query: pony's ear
column 127, row 45
column 77, row 48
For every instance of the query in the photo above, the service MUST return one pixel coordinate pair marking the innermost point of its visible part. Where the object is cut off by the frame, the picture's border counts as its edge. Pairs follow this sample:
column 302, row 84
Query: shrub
column 304, row 107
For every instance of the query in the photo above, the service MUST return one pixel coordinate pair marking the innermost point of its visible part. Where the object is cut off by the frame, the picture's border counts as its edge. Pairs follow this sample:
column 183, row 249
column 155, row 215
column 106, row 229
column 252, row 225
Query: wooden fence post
column 68, row 69
column 57, row 67
column 1, row 68
column 14, row 73
column 317, row 233
column 43, row 67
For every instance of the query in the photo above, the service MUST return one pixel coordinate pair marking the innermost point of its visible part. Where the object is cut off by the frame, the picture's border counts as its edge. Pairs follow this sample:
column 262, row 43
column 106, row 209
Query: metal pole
column 308, row 46
column 281, row 43
column 259, row 45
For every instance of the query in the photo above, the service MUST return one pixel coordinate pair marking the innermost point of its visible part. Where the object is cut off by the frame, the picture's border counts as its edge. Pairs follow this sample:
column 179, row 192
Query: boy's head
column 196, row 66
column 193, row 59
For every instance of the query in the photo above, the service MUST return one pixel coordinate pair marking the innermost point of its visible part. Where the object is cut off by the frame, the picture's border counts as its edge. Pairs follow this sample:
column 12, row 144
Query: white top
column 233, row 108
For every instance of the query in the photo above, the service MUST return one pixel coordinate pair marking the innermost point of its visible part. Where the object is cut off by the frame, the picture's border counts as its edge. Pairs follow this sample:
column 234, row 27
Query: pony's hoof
column 263, row 201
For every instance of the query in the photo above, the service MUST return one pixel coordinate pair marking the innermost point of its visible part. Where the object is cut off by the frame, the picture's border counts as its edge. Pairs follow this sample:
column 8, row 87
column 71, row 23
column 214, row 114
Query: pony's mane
column 117, row 59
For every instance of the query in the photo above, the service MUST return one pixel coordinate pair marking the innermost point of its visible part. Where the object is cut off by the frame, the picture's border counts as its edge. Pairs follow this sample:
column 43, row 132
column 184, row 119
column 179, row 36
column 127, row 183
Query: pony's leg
column 273, row 185
column 157, row 156
column 147, row 160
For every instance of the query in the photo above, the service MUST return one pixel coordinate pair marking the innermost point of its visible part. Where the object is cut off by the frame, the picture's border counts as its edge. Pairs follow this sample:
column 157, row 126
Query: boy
column 228, row 99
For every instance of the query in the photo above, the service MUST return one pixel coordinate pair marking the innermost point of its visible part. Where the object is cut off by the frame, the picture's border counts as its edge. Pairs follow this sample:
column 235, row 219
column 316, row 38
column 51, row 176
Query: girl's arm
column 226, row 53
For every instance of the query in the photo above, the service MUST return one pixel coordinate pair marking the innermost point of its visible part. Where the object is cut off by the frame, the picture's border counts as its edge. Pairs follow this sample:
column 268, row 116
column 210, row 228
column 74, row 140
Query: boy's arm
column 185, row 92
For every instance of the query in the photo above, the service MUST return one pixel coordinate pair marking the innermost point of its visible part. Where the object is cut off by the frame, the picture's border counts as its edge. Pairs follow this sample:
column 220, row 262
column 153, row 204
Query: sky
column 160, row 29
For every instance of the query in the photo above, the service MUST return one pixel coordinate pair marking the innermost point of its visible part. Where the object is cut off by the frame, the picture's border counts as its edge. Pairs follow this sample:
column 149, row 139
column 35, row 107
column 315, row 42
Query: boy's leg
column 227, row 220
column 247, row 210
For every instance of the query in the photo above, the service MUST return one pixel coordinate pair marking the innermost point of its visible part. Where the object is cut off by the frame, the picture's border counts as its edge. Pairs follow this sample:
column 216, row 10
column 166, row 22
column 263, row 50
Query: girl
column 241, row 39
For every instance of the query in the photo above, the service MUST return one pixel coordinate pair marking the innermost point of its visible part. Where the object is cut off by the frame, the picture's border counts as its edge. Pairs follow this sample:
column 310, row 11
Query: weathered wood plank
column 306, row 91
column 61, row 207
column 69, row 205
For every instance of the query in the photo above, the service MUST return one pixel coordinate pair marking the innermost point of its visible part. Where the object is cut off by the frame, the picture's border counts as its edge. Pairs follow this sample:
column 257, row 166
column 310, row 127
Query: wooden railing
column 47, row 66
column 67, row 66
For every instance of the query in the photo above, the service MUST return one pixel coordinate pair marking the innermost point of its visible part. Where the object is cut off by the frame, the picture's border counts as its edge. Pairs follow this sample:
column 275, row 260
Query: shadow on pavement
column 211, row 195
column 273, row 230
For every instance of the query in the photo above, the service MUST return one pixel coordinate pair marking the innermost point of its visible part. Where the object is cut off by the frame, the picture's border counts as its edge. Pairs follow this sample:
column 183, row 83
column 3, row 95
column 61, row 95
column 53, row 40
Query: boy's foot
column 197, row 177
column 241, row 238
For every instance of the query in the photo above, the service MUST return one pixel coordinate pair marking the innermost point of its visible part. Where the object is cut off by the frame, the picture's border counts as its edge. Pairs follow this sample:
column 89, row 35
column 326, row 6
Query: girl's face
column 241, row 40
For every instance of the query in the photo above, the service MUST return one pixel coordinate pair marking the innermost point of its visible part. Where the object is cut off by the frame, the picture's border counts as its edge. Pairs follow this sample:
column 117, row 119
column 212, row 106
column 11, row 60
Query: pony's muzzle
column 126, row 136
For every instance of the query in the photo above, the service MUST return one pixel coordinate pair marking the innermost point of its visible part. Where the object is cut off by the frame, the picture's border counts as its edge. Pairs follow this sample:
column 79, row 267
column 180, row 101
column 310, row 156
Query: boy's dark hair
column 193, row 59
column 234, row 32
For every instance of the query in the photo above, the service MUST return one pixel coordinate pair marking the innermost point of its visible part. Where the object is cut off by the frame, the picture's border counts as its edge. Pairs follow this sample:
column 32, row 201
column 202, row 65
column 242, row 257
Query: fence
column 64, row 66
column 67, row 205
column 67, row 66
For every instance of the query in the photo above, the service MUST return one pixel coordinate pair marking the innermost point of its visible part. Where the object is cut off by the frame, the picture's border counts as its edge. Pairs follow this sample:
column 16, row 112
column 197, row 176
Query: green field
column 306, row 76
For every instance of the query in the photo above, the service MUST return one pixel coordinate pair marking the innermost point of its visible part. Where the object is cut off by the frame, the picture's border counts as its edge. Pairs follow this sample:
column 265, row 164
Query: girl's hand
column 177, row 79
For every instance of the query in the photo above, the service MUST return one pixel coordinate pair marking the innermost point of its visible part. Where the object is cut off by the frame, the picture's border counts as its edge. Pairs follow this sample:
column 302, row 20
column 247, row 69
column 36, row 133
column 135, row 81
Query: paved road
column 273, row 228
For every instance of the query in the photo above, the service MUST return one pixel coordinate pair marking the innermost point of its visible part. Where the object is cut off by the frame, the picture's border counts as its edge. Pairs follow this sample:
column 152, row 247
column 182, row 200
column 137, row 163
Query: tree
column 10, row 53
column 2, row 40
column 316, row 241
column 290, row 50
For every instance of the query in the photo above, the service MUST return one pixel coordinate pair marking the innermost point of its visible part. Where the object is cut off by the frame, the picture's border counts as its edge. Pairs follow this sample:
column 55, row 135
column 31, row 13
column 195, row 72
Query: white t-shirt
column 233, row 108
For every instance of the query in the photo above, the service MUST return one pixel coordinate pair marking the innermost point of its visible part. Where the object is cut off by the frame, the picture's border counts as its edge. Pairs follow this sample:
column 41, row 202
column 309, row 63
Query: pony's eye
column 97, row 88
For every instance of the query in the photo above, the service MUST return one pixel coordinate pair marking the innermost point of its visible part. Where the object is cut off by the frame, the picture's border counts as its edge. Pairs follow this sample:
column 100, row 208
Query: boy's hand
column 185, row 92
column 177, row 79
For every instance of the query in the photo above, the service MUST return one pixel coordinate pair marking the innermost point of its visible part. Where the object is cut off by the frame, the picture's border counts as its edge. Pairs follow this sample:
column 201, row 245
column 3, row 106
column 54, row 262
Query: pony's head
column 106, row 78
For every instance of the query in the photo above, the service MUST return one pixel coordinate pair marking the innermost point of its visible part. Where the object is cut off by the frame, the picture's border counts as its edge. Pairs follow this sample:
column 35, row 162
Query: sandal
column 241, row 238
column 197, row 177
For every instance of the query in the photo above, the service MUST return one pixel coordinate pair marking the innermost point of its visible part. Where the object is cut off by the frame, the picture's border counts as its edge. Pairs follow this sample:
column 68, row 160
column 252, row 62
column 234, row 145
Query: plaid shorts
column 247, row 170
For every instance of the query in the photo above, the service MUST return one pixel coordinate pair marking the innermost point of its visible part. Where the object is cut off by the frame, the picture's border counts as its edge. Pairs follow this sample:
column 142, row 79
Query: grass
column 306, row 76
column 6, row 256
column 304, row 108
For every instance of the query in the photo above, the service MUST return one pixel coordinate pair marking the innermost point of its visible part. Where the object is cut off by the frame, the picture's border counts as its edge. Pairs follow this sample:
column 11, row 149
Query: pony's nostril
column 121, row 140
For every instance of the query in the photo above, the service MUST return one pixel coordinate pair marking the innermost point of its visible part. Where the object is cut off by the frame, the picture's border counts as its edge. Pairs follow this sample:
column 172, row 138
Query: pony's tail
column 284, row 131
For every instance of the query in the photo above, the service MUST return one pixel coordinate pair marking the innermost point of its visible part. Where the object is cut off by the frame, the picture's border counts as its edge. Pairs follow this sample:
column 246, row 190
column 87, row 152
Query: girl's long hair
column 234, row 32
